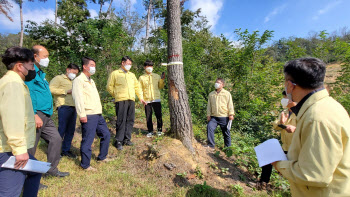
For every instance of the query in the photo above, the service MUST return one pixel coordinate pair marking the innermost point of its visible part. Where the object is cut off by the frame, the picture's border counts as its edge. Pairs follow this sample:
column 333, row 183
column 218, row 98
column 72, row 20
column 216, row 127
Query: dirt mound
column 167, row 162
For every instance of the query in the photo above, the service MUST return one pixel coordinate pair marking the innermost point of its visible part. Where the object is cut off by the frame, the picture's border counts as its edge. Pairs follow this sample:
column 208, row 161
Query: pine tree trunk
column 22, row 29
column 56, row 14
column 100, row 12
column 109, row 11
column 148, row 24
column 180, row 114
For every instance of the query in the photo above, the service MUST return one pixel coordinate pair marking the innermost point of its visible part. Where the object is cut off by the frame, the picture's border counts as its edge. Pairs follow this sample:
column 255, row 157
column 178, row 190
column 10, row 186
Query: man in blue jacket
column 42, row 104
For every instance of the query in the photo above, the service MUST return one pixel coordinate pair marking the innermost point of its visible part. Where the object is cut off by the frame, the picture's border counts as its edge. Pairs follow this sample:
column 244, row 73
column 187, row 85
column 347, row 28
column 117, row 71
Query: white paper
column 32, row 165
column 269, row 152
column 229, row 125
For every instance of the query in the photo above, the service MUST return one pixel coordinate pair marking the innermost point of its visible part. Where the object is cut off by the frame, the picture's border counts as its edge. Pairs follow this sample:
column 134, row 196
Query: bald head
column 40, row 52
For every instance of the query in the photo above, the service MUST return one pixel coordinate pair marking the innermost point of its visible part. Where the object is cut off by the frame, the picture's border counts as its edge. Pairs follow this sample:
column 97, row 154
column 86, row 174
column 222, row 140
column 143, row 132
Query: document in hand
column 269, row 152
column 32, row 165
column 229, row 125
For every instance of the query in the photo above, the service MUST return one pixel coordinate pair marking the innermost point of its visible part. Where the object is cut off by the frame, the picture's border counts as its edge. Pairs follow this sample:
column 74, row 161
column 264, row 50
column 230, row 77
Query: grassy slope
column 132, row 174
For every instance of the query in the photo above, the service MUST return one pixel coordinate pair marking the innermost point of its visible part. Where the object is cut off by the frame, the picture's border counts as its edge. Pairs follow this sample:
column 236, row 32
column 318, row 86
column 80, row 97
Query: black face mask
column 30, row 76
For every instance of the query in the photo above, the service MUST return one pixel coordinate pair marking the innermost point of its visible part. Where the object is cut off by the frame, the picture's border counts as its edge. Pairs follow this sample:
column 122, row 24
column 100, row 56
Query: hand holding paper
column 21, row 160
column 31, row 165
column 269, row 152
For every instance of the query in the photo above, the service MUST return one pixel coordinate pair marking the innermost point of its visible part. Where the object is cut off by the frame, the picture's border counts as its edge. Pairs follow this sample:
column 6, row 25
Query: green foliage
column 198, row 173
column 212, row 166
column 205, row 190
column 224, row 170
column 342, row 85
column 237, row 190
column 182, row 175
column 72, row 12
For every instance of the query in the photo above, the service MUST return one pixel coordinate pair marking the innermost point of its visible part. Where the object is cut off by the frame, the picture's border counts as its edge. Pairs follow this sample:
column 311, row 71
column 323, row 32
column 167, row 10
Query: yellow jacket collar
column 85, row 77
column 123, row 71
column 65, row 76
column 15, row 76
column 312, row 100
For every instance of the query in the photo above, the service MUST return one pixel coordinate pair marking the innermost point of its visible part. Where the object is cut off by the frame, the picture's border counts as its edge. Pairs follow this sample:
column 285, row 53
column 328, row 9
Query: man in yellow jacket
column 319, row 156
column 219, row 112
column 151, row 83
column 122, row 85
column 89, row 109
column 61, row 89
column 286, row 124
column 17, row 124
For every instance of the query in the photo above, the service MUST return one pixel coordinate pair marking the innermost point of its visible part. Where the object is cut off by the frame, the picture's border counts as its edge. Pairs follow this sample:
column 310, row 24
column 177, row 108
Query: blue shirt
column 40, row 93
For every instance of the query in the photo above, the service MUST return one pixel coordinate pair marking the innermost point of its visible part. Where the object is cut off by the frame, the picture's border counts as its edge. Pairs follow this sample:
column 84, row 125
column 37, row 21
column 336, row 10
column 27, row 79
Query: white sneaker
column 159, row 133
column 150, row 134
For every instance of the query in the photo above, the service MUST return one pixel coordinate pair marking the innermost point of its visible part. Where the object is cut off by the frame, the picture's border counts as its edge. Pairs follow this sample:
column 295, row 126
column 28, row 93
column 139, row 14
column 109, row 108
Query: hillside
column 140, row 170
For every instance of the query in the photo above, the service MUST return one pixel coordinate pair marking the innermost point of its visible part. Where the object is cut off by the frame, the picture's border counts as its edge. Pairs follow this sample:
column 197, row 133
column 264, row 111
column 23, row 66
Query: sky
column 285, row 17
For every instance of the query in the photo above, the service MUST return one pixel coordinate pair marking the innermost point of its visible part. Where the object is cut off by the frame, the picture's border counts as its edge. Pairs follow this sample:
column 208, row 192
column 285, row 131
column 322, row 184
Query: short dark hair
column 73, row 66
column 308, row 72
column 85, row 61
column 148, row 63
column 125, row 58
column 221, row 79
column 16, row 54
column 284, row 93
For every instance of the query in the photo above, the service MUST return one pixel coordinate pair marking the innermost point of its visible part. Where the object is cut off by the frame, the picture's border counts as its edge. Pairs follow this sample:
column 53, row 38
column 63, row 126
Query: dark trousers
column 125, row 111
column 157, row 107
column 266, row 172
column 95, row 124
column 66, row 125
column 12, row 181
column 50, row 134
column 213, row 123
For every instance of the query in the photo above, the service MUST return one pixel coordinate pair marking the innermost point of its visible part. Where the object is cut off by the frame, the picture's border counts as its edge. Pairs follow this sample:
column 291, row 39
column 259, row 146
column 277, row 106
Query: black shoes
column 68, row 154
column 128, row 143
column 57, row 174
column 118, row 145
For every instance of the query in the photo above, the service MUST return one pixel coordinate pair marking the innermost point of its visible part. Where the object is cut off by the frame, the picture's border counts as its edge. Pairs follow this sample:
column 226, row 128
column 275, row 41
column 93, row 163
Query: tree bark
column 22, row 29
column 110, row 8
column 56, row 13
column 100, row 12
column 180, row 114
column 148, row 24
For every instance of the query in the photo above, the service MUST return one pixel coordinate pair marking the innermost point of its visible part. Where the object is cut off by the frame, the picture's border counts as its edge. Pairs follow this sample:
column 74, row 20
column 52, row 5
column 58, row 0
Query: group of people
column 314, row 130
column 26, row 107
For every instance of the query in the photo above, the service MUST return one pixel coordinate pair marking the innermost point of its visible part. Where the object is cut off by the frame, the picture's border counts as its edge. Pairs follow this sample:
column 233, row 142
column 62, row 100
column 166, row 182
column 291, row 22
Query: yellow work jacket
column 59, row 86
column 17, row 124
column 123, row 86
column 286, row 137
column 86, row 97
column 150, row 84
column 319, row 157
column 220, row 104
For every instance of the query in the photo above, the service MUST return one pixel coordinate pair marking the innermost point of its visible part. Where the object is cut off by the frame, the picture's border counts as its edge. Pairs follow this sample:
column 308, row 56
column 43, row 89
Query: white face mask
column 92, row 70
column 44, row 62
column 217, row 85
column 289, row 95
column 284, row 102
column 127, row 67
column 149, row 69
column 71, row 76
